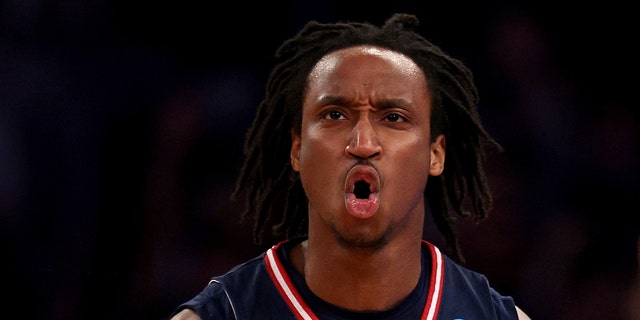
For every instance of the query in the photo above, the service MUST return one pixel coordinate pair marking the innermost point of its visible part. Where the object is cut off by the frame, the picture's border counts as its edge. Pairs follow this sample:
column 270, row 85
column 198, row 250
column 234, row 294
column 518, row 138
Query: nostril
column 361, row 190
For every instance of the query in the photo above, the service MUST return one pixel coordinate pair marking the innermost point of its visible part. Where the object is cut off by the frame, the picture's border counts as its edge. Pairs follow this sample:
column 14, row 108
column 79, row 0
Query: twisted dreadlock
column 273, row 191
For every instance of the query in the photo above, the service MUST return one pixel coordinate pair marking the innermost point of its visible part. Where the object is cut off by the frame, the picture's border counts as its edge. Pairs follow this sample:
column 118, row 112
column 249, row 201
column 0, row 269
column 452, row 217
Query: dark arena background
column 121, row 127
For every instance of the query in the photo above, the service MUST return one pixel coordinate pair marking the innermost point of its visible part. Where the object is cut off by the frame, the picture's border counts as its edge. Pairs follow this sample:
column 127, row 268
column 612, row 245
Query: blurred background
column 121, row 127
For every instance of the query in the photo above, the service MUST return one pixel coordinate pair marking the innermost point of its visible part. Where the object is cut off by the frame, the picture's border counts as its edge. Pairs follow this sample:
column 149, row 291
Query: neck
column 359, row 279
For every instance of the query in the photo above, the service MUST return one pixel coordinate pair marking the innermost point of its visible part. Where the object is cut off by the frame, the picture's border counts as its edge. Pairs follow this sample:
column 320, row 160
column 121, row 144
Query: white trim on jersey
column 435, row 287
column 286, row 288
column 303, row 311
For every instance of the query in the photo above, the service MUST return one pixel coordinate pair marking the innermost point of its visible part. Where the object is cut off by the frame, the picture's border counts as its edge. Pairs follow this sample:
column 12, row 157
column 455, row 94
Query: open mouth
column 362, row 181
column 362, row 185
column 361, row 189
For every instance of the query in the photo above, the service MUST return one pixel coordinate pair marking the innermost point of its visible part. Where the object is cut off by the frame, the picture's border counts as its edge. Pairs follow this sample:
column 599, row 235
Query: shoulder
column 462, row 284
column 214, row 301
column 247, row 291
column 456, row 276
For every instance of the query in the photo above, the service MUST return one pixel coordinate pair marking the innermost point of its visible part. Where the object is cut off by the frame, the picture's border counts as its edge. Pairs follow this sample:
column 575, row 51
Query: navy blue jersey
column 268, row 287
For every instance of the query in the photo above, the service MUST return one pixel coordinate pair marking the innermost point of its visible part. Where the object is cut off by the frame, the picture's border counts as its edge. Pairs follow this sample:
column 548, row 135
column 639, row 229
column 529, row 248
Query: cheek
column 410, row 164
column 319, row 158
column 413, row 168
column 320, row 146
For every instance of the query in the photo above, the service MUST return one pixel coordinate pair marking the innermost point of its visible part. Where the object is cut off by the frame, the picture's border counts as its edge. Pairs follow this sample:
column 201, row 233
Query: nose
column 363, row 142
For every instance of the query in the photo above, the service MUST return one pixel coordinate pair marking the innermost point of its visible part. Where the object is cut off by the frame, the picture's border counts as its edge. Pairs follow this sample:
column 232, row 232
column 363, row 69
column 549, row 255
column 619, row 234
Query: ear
column 438, row 148
column 295, row 151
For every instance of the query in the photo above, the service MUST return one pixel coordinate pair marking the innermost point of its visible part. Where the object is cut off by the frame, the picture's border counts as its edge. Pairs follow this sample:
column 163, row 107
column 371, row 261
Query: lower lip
column 362, row 208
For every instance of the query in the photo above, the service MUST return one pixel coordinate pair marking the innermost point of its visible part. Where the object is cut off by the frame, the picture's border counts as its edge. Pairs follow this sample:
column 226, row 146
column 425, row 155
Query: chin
column 361, row 240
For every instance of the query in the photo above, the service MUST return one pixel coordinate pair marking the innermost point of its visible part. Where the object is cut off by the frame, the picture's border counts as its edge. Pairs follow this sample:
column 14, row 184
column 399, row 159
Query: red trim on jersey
column 432, row 304
column 285, row 286
column 302, row 311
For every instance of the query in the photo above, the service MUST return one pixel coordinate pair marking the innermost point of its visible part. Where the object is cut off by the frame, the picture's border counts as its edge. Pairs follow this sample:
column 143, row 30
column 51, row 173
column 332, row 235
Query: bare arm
column 186, row 314
column 521, row 314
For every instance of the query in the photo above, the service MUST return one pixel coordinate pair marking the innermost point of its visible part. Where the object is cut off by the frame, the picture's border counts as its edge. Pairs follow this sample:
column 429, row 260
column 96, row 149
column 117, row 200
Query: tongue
column 362, row 208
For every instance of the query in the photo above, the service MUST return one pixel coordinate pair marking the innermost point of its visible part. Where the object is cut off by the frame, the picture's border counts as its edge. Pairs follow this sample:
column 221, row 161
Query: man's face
column 364, row 152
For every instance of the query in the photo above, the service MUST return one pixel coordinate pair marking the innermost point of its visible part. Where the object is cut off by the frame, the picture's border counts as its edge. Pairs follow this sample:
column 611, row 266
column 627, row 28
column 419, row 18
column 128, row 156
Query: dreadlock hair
column 273, row 191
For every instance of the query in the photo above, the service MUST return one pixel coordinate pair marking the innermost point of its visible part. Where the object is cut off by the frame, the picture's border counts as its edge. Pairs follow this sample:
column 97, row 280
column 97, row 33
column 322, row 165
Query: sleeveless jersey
column 268, row 287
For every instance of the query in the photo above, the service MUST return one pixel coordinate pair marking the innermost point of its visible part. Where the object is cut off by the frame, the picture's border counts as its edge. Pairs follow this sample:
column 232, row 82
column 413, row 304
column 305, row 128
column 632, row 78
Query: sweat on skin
column 366, row 117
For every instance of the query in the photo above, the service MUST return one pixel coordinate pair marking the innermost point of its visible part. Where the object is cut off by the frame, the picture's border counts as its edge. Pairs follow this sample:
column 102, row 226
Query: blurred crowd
column 121, row 131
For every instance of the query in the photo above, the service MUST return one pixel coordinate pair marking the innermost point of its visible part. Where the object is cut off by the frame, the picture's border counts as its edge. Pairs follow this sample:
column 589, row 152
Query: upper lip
column 366, row 173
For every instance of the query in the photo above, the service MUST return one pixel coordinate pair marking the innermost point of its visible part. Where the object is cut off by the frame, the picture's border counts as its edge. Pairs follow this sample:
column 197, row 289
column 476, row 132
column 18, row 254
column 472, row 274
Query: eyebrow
column 378, row 104
column 333, row 99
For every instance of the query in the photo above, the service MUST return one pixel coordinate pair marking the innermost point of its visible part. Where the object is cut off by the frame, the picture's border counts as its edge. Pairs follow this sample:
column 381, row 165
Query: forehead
column 365, row 50
column 367, row 66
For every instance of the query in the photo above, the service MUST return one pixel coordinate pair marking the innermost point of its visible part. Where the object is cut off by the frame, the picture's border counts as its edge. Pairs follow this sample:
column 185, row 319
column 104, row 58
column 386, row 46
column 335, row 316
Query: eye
column 394, row 117
column 334, row 115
